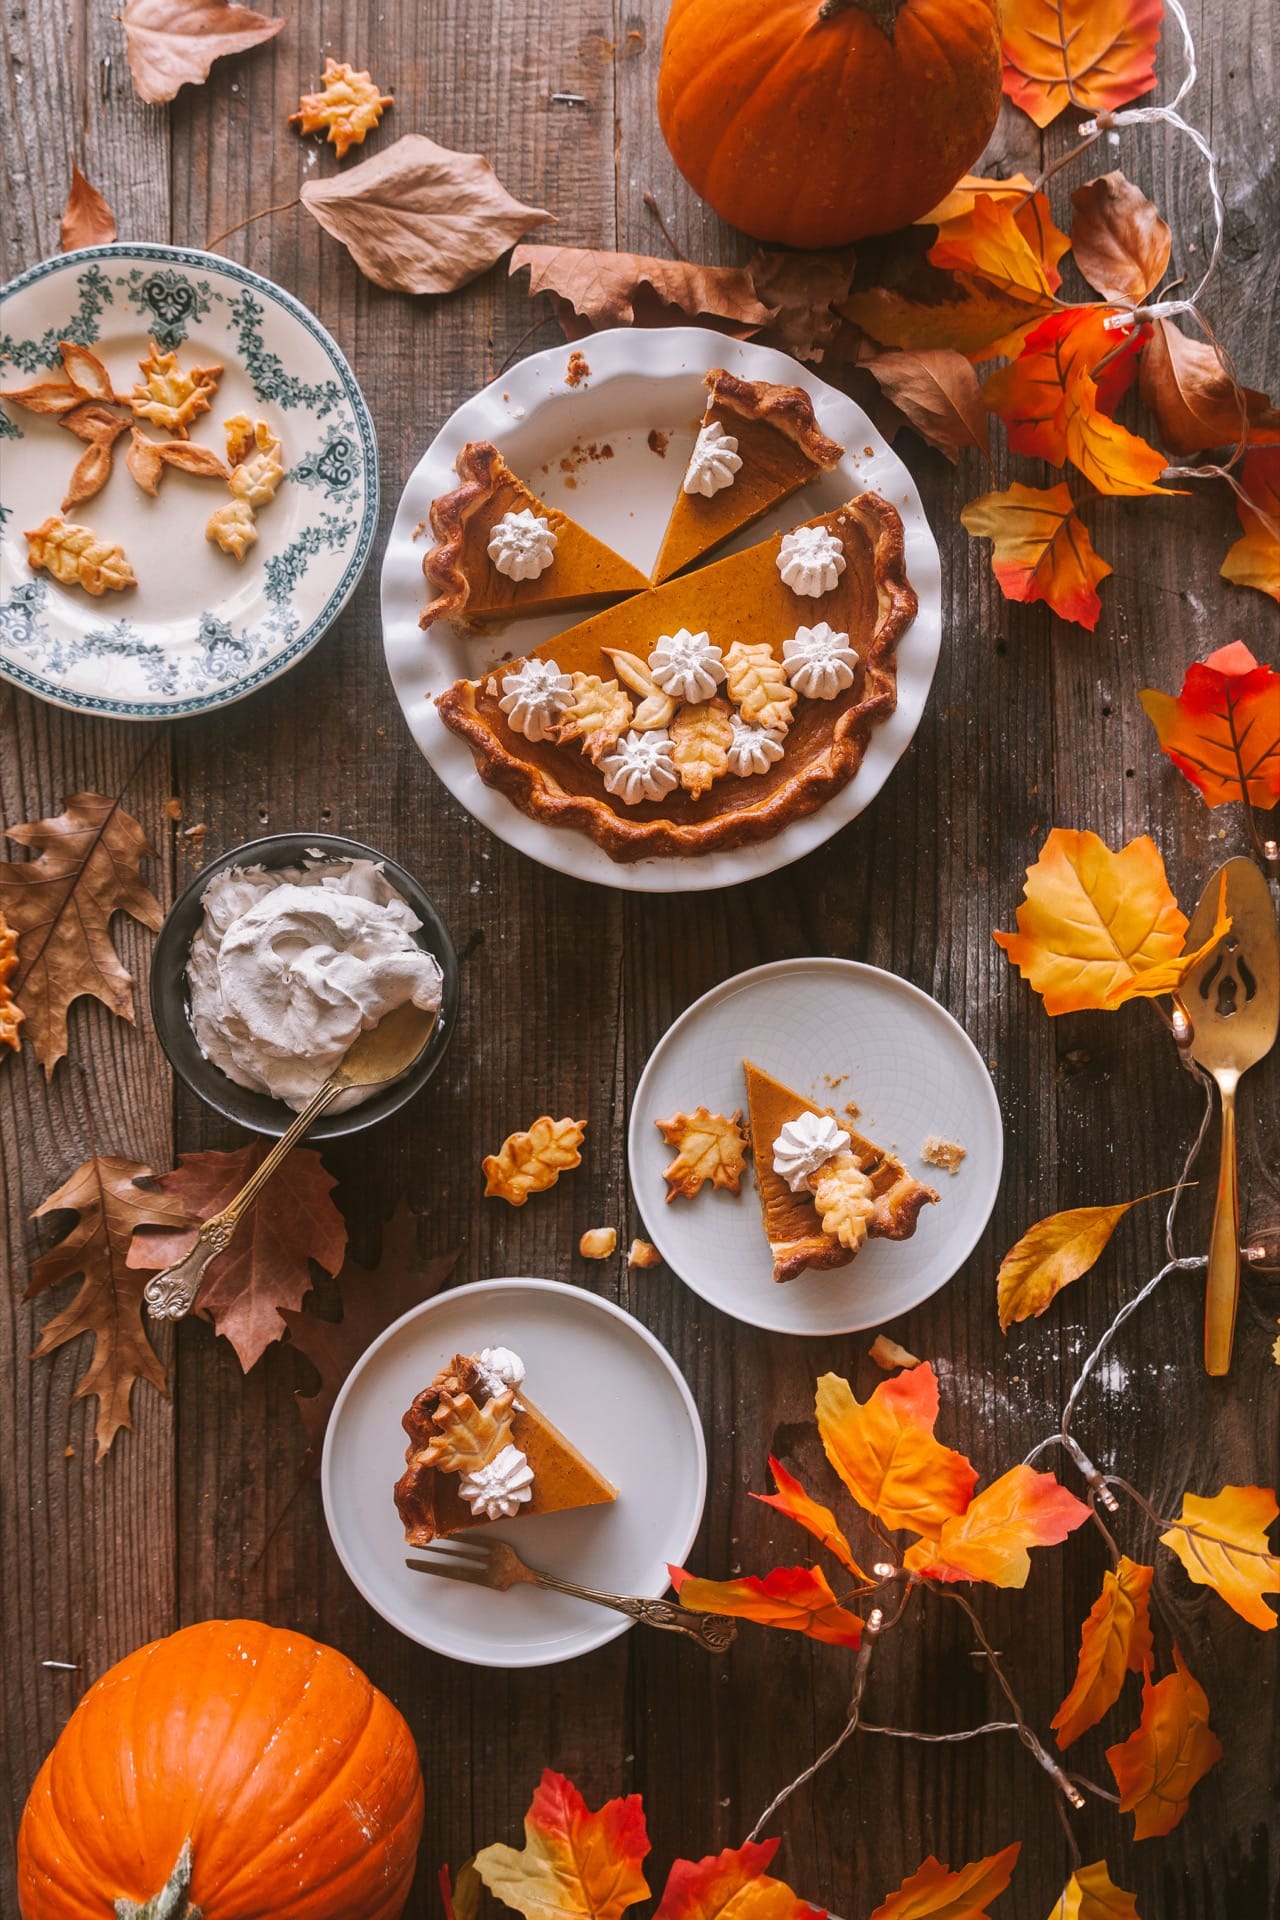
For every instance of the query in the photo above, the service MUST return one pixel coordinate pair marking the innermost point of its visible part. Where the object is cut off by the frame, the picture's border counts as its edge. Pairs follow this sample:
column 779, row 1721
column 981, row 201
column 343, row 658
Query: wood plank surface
column 567, row 988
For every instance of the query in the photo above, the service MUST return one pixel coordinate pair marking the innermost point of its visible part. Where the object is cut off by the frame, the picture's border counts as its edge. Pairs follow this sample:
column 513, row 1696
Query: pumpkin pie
column 757, row 444
column 811, row 1199
column 480, row 1451
column 713, row 709
column 501, row 553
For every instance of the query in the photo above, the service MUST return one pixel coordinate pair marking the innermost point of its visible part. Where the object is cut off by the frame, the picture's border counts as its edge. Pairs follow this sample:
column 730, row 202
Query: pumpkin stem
column 883, row 12
column 171, row 1902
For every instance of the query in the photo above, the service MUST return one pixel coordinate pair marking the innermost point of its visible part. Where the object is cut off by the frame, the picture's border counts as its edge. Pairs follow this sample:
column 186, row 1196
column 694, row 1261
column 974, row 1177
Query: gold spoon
column 381, row 1054
column 1232, row 1000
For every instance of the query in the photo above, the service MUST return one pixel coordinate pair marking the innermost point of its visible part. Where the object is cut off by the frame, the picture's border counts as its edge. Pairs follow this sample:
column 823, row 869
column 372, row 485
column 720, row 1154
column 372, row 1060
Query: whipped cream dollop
column 753, row 749
column 500, row 1370
column 522, row 545
column 290, row 965
column 811, row 560
column 804, row 1145
column 534, row 698
column 499, row 1489
column 819, row 663
column 688, row 666
column 641, row 767
column 714, row 461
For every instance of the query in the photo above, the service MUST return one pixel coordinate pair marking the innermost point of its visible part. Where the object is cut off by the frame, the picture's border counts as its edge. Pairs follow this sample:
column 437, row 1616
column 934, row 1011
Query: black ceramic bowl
column 169, row 999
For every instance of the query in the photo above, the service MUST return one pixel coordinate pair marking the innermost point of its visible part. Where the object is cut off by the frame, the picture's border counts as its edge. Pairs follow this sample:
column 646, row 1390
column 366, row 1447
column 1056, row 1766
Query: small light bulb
column 875, row 1620
column 883, row 1570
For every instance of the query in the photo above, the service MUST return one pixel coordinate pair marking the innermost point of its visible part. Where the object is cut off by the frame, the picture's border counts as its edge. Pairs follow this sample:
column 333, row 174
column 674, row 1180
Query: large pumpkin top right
column 817, row 122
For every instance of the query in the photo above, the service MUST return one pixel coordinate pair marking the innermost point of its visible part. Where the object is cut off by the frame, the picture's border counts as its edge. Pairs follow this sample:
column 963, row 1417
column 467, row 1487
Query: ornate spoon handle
column 710, row 1630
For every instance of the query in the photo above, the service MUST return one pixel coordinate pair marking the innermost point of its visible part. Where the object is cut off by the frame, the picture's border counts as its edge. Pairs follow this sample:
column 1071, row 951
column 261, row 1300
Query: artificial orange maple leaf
column 1091, row 1894
column 988, row 240
column 1170, row 1750
column 1050, row 1255
column 347, row 106
column 794, row 1599
column 1222, row 1543
column 1254, row 561
column 884, row 1450
column 1115, row 1640
column 1168, row 976
column 1041, row 550
column 60, row 905
column 1097, row 54
column 109, row 1304
column 1092, row 919
column 575, row 1864
column 989, row 1540
column 799, row 1505
column 934, row 1892
column 732, row 1885
column 959, row 310
column 1223, row 730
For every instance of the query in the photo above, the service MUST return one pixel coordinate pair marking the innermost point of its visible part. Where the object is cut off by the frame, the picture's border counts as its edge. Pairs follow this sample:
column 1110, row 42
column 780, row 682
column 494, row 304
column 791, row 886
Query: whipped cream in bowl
column 277, row 957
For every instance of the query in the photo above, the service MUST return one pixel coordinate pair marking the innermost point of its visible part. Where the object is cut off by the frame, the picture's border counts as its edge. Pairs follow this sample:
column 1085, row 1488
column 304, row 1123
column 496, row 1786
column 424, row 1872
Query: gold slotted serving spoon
column 383, row 1053
column 1232, row 1000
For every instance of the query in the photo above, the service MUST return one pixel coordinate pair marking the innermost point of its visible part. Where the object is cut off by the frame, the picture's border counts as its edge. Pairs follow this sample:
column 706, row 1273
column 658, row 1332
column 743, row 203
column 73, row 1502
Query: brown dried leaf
column 92, row 423
column 87, row 220
column 89, row 475
column 802, row 288
column 78, row 557
column 11, row 1014
column 531, row 1162
column 937, row 390
column 109, row 1303
column 347, row 107
column 419, row 218
column 268, row 1264
column 173, row 43
column 710, row 1146
column 468, row 1436
column 1187, row 388
column 591, row 288
column 1119, row 241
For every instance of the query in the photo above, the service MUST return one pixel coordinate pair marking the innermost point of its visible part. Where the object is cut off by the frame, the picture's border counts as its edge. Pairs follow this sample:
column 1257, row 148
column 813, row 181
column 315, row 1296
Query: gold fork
column 492, row 1563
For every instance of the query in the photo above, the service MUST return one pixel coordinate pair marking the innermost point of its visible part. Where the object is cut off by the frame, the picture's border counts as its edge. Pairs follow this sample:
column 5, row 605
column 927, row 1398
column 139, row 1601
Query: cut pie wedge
column 792, row 1225
column 458, row 1420
column 564, row 566
column 757, row 444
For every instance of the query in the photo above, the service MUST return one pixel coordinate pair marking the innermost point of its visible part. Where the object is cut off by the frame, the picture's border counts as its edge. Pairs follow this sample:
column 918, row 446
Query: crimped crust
column 789, row 409
column 534, row 789
column 481, row 470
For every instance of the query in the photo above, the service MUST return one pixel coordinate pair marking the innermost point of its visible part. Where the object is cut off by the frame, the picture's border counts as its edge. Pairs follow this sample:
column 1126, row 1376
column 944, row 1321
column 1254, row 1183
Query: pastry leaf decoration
column 347, row 107
column 709, row 1147
column 530, row 1162
column 468, row 1436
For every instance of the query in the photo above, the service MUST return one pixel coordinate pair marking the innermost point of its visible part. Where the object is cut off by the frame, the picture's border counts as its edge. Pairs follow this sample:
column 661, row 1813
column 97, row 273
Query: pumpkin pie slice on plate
column 757, row 444
column 501, row 553
column 479, row 1451
column 709, row 711
column 823, row 1188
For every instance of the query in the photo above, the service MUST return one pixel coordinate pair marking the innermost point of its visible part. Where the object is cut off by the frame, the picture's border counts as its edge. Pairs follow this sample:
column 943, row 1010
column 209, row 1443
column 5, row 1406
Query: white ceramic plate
column 911, row 1071
column 199, row 630
column 614, row 1392
column 644, row 382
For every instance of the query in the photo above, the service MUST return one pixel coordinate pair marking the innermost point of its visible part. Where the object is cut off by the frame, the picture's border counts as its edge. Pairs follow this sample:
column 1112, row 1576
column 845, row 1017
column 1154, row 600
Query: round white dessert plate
column 199, row 629
column 611, row 451
column 836, row 1031
column 611, row 1389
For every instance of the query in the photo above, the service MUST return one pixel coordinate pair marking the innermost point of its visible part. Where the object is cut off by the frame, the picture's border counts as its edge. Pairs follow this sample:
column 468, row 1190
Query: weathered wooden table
column 566, row 990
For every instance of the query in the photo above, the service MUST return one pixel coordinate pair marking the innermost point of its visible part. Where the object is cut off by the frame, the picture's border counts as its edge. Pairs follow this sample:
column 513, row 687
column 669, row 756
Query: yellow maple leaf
column 1222, row 1543
column 346, row 108
column 530, row 1162
column 468, row 1436
column 78, row 557
column 1091, row 1894
column 1092, row 920
column 710, row 1146
column 1053, row 1253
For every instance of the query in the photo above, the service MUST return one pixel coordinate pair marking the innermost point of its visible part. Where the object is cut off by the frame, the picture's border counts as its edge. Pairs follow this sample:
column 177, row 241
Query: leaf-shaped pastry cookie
column 597, row 716
column 656, row 708
column 756, row 683
column 701, row 736
column 531, row 1162
column 710, row 1146
column 11, row 1014
column 78, row 557
column 89, row 475
column 842, row 1194
column 171, row 396
column 255, row 456
column 232, row 528
column 347, row 106
column 468, row 1436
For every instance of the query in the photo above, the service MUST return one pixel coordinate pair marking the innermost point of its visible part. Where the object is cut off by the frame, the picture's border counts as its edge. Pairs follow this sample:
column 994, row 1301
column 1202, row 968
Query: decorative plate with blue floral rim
column 199, row 629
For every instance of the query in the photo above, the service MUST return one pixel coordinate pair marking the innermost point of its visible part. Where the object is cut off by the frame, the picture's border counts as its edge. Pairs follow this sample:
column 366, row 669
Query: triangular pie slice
column 779, row 447
column 428, row 1495
column 792, row 1225
column 739, row 601
column 468, row 586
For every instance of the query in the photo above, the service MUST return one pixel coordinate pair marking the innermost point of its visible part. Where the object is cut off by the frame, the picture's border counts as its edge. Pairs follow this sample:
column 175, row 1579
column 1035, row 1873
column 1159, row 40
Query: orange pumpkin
column 234, row 1769
column 817, row 122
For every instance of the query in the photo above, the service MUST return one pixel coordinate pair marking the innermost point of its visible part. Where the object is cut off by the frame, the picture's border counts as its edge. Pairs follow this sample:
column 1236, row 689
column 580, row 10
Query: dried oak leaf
column 934, row 1892
column 172, row 396
column 799, row 1505
column 173, row 43
column 709, row 1146
column 1050, row 1255
column 990, row 1539
column 1168, row 1753
column 1041, row 549
column 1254, row 561
column 1095, row 54
column 591, row 288
column 347, row 107
column 419, row 218
column 936, row 390
column 575, row 1864
column 884, row 1450
column 60, row 905
column 1091, row 1894
column 78, row 557
column 1188, row 388
column 87, row 220
column 109, row 1303
column 1222, row 1543
column 1222, row 731
column 732, row 1885
column 1115, row 1640
column 11, row 1014
column 792, row 1599
column 1118, row 239
column 531, row 1162
column 268, row 1264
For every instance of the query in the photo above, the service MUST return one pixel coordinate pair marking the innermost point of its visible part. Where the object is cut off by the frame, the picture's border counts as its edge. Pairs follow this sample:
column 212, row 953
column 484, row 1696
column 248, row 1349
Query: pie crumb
column 643, row 1253
column 657, row 442
column 597, row 1243
column 577, row 370
column 937, row 1152
column 852, row 1110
